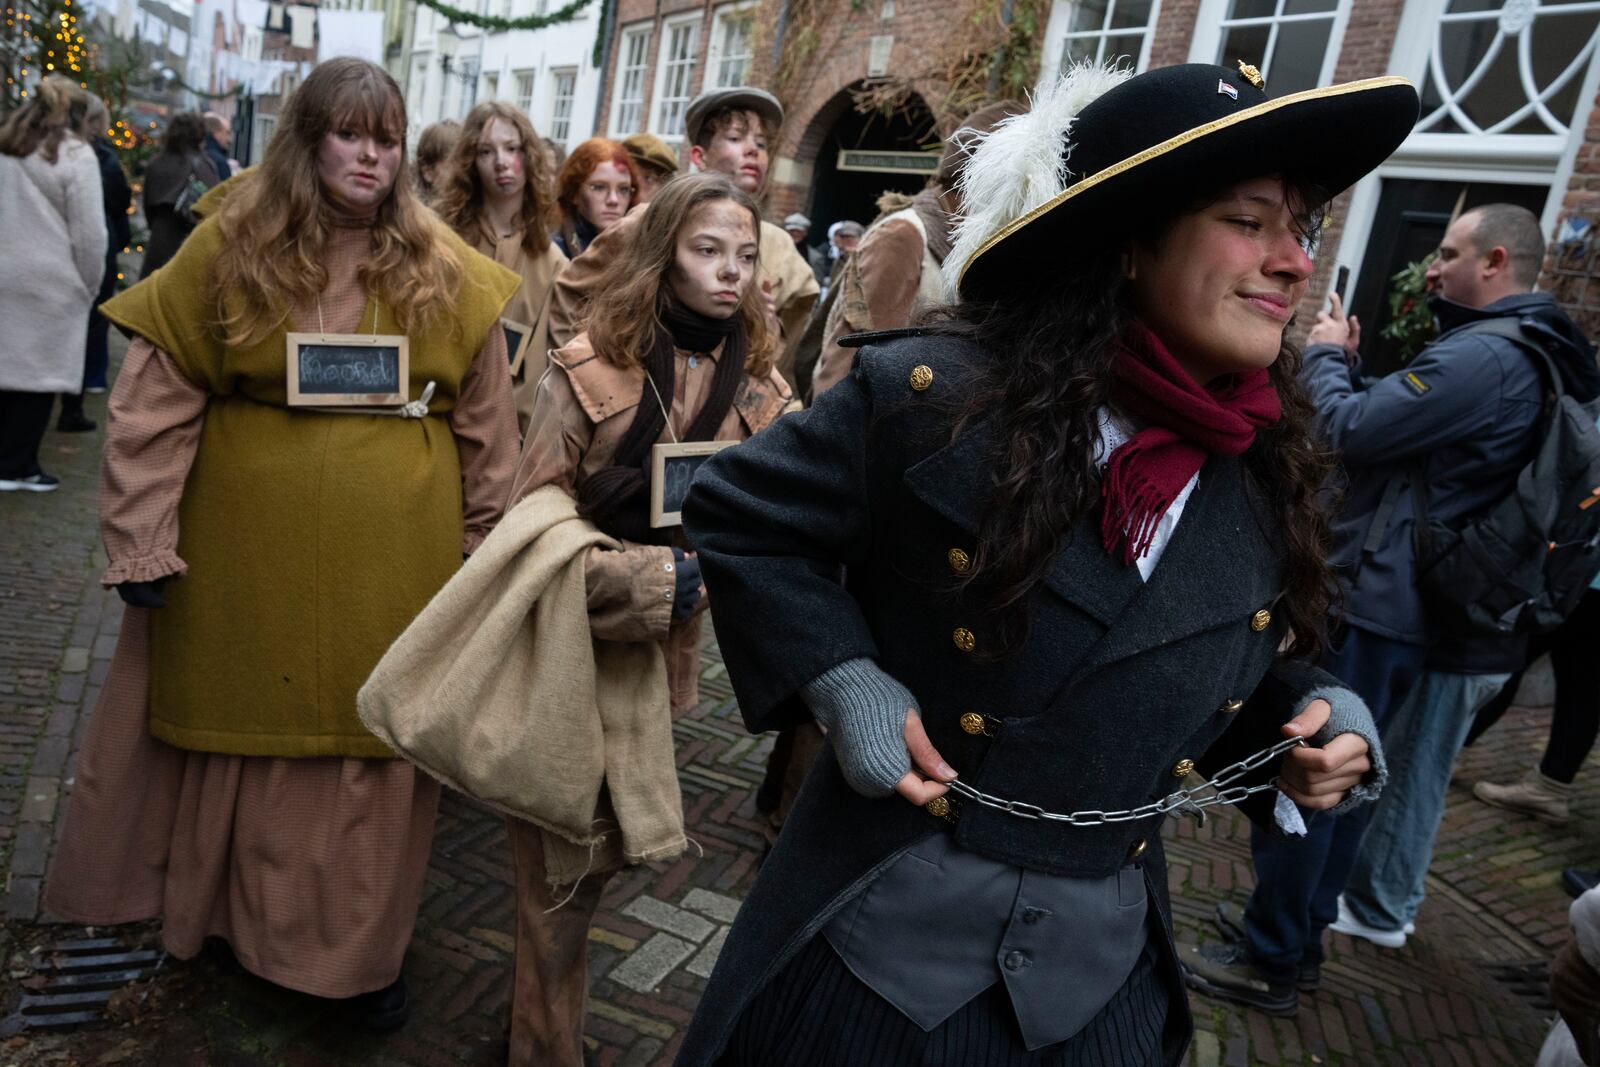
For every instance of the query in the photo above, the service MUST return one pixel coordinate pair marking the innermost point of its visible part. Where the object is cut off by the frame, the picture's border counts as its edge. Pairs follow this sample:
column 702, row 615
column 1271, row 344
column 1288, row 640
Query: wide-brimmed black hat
column 1162, row 137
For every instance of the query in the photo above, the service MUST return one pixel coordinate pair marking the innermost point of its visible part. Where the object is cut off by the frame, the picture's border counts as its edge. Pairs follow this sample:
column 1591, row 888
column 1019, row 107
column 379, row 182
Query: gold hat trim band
column 1171, row 143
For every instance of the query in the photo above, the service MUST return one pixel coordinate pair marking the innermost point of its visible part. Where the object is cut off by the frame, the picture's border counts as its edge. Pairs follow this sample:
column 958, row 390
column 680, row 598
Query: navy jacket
column 213, row 150
column 118, row 196
column 1119, row 682
column 1468, row 411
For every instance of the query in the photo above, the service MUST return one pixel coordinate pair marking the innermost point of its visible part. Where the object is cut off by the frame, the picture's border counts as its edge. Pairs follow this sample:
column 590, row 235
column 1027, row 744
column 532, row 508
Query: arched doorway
column 870, row 144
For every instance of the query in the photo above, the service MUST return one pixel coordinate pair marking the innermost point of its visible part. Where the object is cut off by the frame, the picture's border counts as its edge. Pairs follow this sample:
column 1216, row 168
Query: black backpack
column 1522, row 565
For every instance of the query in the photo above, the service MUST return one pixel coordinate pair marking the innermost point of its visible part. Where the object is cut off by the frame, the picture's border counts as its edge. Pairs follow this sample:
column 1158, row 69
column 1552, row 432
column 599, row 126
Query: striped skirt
column 816, row 1011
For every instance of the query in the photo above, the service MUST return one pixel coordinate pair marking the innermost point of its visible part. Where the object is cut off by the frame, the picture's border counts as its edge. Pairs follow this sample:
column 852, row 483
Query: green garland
column 500, row 25
column 1411, row 320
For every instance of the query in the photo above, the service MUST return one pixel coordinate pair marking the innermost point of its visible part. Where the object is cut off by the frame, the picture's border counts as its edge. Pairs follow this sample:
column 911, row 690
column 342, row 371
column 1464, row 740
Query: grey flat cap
column 797, row 221
column 742, row 97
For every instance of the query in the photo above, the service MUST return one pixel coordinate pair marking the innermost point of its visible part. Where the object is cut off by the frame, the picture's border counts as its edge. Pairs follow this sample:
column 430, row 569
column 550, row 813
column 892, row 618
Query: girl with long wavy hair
column 677, row 350
column 269, row 554
column 1077, row 524
column 597, row 185
column 496, row 194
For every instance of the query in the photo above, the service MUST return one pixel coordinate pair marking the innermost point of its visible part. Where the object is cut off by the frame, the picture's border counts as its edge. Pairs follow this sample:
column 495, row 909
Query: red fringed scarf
column 1186, row 423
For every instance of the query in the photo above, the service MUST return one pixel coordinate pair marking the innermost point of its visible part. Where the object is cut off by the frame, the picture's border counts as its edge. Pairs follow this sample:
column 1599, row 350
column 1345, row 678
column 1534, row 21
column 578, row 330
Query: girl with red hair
column 598, row 184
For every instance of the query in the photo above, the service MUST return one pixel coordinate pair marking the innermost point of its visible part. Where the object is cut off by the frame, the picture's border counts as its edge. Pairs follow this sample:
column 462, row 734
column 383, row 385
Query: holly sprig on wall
column 496, row 24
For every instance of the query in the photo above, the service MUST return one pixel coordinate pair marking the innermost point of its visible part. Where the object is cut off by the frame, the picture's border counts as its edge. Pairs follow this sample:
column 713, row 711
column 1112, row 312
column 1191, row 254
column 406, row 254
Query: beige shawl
column 498, row 689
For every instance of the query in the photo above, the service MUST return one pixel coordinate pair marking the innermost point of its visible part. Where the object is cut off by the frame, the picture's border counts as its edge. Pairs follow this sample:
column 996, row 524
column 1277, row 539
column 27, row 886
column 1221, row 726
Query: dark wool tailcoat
column 1119, row 684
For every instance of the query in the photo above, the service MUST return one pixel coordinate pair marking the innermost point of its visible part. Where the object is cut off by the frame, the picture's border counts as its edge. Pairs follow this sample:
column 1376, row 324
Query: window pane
column 1248, row 43
column 1081, row 48
column 1088, row 15
column 1307, row 7
column 1297, row 57
column 1134, row 14
column 1124, row 49
column 1499, row 93
column 1253, row 9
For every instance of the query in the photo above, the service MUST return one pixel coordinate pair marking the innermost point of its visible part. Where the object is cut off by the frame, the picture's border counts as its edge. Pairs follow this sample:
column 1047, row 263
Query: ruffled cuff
column 144, row 569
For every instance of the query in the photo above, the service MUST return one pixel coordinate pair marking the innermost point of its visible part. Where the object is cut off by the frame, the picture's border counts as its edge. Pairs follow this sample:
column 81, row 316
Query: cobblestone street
column 1465, row 990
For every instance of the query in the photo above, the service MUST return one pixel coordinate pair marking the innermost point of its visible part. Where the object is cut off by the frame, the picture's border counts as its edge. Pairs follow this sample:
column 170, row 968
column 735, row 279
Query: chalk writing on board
column 677, row 476
column 672, row 471
column 341, row 369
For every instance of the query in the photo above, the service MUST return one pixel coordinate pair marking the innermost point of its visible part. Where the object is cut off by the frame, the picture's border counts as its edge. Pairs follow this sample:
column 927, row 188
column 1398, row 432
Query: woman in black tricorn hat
column 1078, row 530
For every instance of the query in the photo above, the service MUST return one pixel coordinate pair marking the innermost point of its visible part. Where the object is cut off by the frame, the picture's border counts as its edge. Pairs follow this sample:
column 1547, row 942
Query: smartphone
column 1342, row 282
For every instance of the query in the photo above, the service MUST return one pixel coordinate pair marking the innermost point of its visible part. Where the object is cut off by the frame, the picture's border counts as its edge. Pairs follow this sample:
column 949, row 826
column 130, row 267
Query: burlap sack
column 498, row 690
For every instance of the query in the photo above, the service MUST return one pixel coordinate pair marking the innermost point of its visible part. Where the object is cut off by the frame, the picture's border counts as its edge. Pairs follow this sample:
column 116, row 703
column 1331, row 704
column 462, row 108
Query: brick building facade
column 1485, row 135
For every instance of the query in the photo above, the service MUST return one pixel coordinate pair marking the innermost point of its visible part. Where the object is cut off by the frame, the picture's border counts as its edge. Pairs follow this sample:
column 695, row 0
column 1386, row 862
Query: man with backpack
column 1463, row 425
column 1447, row 435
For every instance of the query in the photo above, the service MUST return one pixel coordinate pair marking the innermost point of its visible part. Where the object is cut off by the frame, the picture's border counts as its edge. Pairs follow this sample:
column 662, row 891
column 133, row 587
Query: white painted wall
column 500, row 59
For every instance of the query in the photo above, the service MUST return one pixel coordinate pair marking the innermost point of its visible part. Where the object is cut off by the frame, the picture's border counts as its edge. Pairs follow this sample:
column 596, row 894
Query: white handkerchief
column 1287, row 815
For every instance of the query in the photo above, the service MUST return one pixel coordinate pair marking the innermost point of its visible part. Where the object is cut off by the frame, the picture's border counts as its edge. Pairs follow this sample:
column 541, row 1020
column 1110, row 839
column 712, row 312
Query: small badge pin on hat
column 1224, row 89
column 1251, row 75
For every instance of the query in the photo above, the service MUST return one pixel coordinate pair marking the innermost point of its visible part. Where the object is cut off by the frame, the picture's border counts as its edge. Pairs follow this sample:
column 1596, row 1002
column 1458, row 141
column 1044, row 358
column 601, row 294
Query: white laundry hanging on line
column 351, row 33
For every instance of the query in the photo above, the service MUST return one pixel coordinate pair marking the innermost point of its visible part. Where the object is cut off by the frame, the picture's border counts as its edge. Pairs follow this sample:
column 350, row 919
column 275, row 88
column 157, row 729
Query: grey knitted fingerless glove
column 864, row 711
column 1350, row 716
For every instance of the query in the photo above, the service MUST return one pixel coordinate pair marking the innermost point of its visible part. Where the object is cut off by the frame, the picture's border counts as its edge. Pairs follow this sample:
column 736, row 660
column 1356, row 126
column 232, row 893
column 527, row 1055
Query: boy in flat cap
column 729, row 130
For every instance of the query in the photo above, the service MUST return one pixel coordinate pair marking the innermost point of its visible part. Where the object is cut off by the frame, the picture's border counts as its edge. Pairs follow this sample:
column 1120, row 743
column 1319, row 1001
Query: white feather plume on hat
column 1022, row 162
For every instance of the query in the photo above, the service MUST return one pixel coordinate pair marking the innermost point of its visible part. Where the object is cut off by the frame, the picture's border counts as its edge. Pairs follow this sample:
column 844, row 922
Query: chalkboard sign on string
column 347, row 370
column 672, row 469
column 516, row 343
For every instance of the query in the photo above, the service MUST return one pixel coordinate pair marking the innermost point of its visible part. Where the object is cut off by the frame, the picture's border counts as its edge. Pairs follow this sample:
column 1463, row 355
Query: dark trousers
column 97, row 349
column 23, row 419
column 1576, row 720
column 1299, row 879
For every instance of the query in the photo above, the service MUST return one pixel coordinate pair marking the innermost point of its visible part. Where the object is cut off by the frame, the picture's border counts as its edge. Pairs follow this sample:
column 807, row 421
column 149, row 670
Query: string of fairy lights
column 64, row 53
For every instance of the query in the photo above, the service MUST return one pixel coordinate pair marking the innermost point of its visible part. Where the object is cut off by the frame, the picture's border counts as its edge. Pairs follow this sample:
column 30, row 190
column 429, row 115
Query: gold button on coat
column 921, row 377
column 964, row 639
column 1136, row 849
column 1232, row 707
column 1182, row 768
column 1260, row 620
column 959, row 560
column 972, row 723
column 938, row 806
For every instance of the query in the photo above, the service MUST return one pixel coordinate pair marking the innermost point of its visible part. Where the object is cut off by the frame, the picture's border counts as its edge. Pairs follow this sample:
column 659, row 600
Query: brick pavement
column 1493, row 914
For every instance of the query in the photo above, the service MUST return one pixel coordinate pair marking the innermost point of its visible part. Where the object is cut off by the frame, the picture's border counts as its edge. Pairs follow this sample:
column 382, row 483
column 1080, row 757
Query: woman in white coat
column 53, row 237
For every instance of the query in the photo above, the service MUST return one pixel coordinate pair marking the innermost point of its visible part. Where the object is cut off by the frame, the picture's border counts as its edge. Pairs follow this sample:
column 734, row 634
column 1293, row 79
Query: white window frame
column 558, row 119
column 1209, row 27
column 491, row 86
column 621, row 104
column 524, row 80
column 746, row 12
column 1524, row 159
column 1058, row 30
column 660, row 124
column 1412, row 56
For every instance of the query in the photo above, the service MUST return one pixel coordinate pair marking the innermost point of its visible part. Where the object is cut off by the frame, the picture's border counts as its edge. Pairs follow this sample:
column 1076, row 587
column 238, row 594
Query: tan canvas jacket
column 582, row 408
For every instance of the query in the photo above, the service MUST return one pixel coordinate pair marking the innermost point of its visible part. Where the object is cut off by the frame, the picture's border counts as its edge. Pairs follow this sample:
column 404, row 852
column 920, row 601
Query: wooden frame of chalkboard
column 344, row 362
column 517, row 336
column 672, row 468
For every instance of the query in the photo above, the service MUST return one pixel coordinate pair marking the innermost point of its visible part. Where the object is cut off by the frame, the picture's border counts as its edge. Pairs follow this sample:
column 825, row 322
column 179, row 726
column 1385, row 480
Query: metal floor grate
column 72, row 981
column 1529, row 981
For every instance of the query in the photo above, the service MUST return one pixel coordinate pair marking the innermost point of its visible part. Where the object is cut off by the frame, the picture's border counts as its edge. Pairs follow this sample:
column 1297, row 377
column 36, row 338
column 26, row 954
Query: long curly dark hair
column 1050, row 377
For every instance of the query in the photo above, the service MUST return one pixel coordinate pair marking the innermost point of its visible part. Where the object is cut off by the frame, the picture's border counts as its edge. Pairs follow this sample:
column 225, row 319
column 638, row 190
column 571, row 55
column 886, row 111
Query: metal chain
column 1184, row 801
